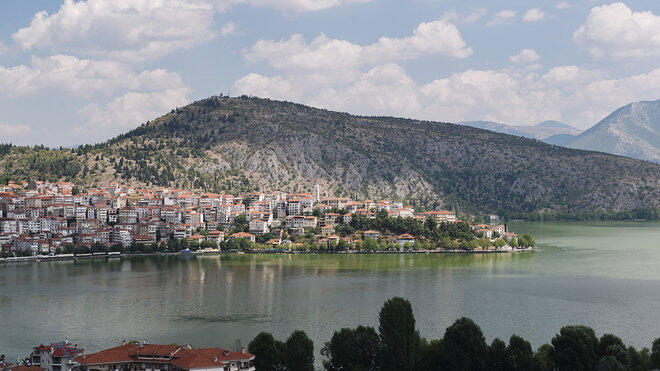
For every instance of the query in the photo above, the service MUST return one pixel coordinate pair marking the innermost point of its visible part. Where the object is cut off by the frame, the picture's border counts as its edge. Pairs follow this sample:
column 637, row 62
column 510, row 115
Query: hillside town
column 46, row 219
column 64, row 356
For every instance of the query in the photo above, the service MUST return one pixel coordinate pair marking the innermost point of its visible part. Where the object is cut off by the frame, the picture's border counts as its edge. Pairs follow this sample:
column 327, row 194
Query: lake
column 603, row 274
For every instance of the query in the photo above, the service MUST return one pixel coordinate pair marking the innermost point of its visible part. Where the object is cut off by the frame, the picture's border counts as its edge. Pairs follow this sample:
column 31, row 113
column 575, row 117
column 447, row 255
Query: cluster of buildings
column 40, row 217
column 493, row 231
column 64, row 356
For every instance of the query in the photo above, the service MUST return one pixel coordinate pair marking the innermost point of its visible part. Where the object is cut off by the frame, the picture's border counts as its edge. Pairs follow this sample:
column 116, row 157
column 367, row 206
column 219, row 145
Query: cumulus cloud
column 326, row 54
column 569, row 93
column 617, row 31
column 128, row 111
column 292, row 5
column 142, row 95
column 473, row 16
column 533, row 15
column 135, row 31
column 13, row 131
column 80, row 77
column 502, row 17
column 229, row 28
column 563, row 5
column 120, row 29
column 525, row 56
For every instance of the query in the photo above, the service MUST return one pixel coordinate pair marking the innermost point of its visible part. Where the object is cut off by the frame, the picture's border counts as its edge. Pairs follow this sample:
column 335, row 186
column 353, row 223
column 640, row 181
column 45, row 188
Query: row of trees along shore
column 397, row 345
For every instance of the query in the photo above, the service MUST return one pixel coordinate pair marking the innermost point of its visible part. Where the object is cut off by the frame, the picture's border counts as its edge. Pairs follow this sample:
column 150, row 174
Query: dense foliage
column 398, row 346
column 295, row 354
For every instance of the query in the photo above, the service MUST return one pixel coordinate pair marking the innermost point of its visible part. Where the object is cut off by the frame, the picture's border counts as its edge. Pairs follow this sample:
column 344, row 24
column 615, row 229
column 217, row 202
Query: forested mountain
column 242, row 144
column 632, row 130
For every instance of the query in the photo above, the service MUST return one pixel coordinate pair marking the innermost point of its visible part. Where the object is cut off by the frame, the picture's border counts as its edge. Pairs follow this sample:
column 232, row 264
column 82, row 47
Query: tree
column 265, row 350
column 575, row 348
column 352, row 349
column 519, row 354
column 399, row 338
column 429, row 354
column 430, row 223
column 497, row 357
column 639, row 360
column 610, row 363
column 526, row 240
column 299, row 354
column 464, row 346
column 655, row 354
column 612, row 351
column 542, row 360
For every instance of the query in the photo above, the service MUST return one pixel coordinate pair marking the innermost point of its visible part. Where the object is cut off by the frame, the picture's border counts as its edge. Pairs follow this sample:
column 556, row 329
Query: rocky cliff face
column 243, row 144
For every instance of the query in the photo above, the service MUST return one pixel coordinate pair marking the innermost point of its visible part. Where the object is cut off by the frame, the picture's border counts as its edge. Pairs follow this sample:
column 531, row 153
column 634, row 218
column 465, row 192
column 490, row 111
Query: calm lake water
column 604, row 275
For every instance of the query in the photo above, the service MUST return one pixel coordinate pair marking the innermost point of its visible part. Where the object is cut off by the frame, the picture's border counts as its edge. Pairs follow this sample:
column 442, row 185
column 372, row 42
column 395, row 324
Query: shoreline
column 117, row 255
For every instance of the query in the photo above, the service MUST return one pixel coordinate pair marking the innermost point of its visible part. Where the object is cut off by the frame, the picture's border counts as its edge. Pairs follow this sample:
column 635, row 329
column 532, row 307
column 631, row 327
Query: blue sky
column 74, row 72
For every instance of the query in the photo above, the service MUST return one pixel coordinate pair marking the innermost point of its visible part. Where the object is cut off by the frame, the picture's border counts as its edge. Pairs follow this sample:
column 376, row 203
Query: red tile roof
column 180, row 356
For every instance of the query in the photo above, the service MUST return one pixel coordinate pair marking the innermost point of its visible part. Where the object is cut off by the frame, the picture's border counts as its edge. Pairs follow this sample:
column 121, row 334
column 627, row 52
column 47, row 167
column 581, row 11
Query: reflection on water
column 601, row 274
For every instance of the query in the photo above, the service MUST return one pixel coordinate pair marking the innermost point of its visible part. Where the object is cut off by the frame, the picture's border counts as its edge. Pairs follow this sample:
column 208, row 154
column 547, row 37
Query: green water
column 605, row 275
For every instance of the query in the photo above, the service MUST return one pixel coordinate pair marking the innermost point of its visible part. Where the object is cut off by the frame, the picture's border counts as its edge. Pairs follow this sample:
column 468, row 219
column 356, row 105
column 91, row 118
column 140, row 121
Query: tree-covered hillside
column 242, row 144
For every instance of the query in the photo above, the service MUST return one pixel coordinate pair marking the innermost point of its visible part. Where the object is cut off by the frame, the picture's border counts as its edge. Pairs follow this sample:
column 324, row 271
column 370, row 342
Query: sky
column 77, row 72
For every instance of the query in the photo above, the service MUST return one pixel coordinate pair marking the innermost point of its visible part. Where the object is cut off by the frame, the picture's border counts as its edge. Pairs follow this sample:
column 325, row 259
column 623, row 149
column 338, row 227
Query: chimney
column 242, row 350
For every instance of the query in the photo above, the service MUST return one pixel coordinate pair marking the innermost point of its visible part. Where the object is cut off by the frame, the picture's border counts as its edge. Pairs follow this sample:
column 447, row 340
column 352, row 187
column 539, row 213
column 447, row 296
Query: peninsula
column 43, row 219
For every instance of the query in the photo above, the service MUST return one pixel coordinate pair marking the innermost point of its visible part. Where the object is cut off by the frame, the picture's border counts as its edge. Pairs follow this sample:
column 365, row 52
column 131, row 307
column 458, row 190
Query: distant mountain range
column 632, row 131
column 236, row 145
column 541, row 131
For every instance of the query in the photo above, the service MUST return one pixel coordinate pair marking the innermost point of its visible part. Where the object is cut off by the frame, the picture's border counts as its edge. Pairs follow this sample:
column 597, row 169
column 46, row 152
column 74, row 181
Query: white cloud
column 534, row 15
column 617, row 31
column 474, row 16
column 502, row 17
column 80, row 77
column 120, row 29
column 13, row 131
column 331, row 55
column 293, row 5
column 267, row 87
column 573, row 74
column 229, row 28
column 575, row 95
column 138, row 30
column 563, row 5
column 3, row 48
column 128, row 111
column 525, row 56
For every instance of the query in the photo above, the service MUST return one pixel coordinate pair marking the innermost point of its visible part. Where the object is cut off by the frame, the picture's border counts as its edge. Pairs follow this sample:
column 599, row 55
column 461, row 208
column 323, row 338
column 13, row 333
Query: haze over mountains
column 244, row 144
column 541, row 131
column 632, row 131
